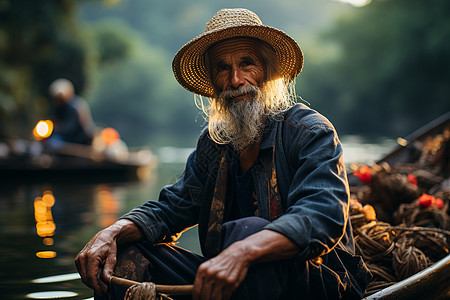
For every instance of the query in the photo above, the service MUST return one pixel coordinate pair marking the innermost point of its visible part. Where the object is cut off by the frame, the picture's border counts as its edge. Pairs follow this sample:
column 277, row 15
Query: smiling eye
column 248, row 62
column 222, row 67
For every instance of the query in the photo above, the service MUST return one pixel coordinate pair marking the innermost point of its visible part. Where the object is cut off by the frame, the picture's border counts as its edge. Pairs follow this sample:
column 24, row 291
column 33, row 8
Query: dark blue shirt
column 311, row 179
column 245, row 199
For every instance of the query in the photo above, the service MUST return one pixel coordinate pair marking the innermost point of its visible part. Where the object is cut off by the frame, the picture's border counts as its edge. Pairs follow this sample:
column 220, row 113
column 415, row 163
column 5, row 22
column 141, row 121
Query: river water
column 43, row 225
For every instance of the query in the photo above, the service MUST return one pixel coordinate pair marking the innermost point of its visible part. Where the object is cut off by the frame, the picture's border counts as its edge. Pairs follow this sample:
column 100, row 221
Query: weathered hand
column 98, row 259
column 218, row 277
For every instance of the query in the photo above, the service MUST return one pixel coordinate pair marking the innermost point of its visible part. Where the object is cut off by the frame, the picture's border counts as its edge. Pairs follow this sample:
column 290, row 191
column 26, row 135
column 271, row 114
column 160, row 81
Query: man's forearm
column 222, row 274
column 268, row 245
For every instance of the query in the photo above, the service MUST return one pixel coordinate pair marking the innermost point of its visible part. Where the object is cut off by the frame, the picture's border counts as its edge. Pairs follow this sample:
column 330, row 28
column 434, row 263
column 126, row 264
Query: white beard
column 243, row 120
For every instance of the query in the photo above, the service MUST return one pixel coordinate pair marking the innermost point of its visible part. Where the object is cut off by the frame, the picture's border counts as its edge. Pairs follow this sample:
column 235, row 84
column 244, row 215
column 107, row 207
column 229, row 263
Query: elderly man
column 266, row 184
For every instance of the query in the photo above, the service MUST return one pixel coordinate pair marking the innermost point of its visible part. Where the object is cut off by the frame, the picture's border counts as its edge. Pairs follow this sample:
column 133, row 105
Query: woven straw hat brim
column 189, row 67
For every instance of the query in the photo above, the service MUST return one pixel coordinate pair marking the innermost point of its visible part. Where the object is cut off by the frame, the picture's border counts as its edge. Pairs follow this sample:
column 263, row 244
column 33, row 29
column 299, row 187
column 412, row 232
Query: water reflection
column 57, row 278
column 107, row 206
column 46, row 254
column 44, row 225
column 51, row 295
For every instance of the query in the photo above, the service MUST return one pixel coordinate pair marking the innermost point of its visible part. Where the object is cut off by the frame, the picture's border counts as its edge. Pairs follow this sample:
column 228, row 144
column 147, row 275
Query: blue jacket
column 310, row 174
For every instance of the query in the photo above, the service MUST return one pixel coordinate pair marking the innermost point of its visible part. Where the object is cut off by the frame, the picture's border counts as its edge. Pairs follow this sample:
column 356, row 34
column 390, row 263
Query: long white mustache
column 243, row 120
column 229, row 95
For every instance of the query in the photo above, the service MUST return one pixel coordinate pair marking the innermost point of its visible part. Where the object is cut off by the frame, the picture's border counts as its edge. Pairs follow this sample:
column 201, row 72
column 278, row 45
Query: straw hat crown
column 189, row 65
column 232, row 17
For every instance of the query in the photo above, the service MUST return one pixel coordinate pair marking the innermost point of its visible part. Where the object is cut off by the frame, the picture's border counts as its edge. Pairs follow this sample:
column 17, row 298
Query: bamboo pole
column 165, row 289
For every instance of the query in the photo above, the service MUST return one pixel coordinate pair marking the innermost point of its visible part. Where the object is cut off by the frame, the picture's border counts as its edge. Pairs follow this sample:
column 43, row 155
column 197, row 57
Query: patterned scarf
column 216, row 215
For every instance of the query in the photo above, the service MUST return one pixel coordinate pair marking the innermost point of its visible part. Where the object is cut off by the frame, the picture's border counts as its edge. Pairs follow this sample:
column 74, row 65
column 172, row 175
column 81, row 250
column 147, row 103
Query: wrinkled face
column 236, row 64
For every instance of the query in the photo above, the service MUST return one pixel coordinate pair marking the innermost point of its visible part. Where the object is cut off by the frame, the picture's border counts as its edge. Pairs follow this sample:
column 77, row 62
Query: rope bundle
column 410, row 214
column 149, row 290
column 393, row 253
column 375, row 242
column 145, row 291
column 407, row 259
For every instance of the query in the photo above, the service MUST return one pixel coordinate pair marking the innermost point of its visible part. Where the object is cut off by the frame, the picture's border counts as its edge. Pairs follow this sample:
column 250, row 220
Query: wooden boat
column 77, row 162
column 432, row 282
column 407, row 149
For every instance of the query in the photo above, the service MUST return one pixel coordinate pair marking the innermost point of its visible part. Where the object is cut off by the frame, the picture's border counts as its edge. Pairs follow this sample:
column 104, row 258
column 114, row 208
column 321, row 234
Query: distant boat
column 77, row 162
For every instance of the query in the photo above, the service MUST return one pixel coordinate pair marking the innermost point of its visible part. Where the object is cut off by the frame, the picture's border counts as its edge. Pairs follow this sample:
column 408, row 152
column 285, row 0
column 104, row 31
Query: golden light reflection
column 143, row 173
column 43, row 129
column 48, row 198
column 108, row 206
column 402, row 141
column 45, row 226
column 46, row 254
column 48, row 241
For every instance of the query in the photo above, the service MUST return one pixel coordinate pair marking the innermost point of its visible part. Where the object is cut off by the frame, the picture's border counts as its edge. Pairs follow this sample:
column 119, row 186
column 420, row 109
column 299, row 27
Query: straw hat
column 189, row 66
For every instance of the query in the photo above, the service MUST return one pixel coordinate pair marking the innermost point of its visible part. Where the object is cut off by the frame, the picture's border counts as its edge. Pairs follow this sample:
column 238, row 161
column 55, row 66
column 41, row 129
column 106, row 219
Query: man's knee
column 239, row 229
column 132, row 264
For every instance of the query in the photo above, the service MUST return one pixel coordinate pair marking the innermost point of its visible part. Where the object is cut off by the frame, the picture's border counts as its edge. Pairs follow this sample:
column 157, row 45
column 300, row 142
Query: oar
column 165, row 289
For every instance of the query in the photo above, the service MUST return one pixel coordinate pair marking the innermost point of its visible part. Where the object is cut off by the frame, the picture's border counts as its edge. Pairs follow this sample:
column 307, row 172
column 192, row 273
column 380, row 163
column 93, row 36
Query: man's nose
column 237, row 78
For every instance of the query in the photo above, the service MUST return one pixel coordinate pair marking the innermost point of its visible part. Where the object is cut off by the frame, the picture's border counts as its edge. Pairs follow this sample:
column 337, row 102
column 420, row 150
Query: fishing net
column 400, row 214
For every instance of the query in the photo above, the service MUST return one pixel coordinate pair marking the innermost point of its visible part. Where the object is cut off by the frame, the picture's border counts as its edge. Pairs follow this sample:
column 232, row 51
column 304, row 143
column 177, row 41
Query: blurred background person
column 71, row 117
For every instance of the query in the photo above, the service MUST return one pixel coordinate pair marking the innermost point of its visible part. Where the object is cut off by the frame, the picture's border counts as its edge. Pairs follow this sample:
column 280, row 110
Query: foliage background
column 377, row 70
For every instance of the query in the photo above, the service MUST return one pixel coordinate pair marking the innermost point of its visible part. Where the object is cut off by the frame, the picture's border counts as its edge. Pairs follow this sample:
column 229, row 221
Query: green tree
column 391, row 73
column 110, row 41
column 136, row 94
column 39, row 42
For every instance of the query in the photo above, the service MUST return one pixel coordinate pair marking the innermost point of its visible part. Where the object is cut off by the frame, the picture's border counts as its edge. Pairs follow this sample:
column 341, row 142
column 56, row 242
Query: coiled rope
column 149, row 290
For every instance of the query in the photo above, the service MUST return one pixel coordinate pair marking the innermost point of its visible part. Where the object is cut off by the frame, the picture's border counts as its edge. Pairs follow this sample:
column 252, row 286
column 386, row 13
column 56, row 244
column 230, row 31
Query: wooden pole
column 165, row 289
